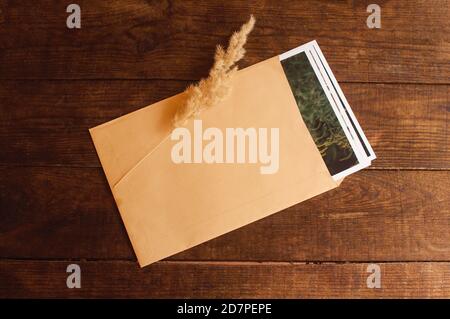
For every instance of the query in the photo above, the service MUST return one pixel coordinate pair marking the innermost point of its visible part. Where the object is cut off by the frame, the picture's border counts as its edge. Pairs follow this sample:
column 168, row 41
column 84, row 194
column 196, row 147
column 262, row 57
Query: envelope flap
column 123, row 142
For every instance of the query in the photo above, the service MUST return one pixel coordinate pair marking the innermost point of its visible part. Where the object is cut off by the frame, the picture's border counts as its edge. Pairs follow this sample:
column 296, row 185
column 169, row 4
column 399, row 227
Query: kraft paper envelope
column 168, row 207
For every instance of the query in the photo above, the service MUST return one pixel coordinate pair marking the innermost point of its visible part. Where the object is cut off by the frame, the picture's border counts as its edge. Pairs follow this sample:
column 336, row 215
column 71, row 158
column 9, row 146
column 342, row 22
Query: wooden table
column 55, row 205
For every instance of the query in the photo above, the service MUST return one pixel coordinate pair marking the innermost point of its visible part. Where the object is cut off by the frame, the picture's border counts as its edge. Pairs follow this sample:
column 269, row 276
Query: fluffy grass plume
column 216, row 87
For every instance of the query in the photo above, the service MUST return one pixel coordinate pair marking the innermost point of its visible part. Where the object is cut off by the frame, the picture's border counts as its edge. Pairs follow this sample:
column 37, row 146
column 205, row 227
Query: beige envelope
column 168, row 207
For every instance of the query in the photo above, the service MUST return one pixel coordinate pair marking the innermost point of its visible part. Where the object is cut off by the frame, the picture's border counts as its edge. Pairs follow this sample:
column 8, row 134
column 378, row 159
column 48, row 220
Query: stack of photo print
column 325, row 111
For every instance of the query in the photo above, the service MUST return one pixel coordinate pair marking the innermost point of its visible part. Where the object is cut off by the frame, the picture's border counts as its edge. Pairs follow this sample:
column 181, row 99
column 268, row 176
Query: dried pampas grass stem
column 216, row 87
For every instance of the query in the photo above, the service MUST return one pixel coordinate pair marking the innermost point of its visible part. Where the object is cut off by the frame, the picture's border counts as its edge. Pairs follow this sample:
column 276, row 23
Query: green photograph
column 318, row 114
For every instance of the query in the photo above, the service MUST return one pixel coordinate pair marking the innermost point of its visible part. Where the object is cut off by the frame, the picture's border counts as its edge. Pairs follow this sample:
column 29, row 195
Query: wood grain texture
column 47, row 279
column 374, row 215
column 46, row 122
column 55, row 204
column 176, row 39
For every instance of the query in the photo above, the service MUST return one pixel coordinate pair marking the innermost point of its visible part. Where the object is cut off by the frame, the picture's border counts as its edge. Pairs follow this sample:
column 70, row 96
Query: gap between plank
column 225, row 262
column 198, row 79
column 405, row 169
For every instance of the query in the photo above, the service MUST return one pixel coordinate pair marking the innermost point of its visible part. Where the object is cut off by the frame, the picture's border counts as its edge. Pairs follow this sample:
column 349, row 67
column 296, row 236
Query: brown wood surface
column 176, row 39
column 374, row 215
column 55, row 204
column 46, row 122
column 122, row 279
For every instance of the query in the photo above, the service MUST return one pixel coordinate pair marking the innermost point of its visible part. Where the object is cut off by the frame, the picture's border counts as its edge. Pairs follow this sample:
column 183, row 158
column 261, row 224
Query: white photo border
column 347, row 107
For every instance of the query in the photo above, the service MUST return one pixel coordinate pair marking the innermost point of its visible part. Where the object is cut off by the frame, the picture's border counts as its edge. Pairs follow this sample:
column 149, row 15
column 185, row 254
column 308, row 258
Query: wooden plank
column 176, row 39
column 46, row 122
column 407, row 125
column 57, row 212
column 121, row 279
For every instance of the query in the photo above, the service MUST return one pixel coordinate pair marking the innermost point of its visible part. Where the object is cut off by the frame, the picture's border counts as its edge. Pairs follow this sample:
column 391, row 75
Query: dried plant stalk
column 216, row 87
